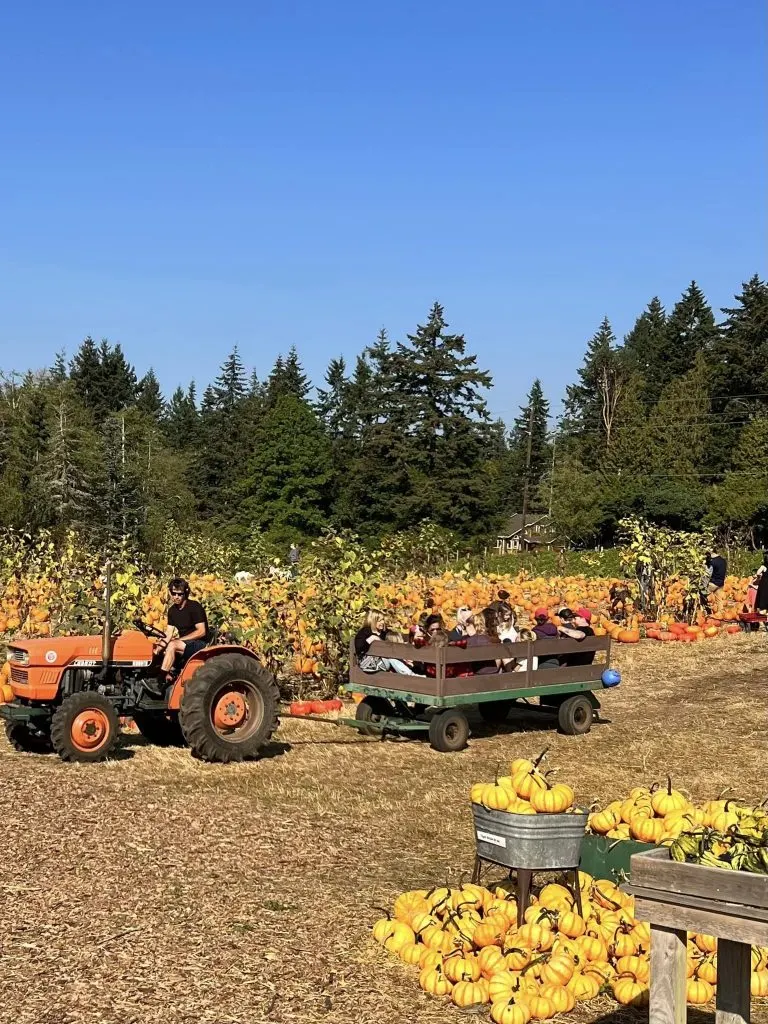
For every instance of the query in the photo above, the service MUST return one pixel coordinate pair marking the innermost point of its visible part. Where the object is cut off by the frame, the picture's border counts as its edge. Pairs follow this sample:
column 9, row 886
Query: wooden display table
column 679, row 898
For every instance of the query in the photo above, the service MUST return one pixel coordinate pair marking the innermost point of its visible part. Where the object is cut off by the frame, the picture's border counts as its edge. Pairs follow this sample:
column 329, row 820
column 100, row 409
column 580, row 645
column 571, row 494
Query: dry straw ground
column 155, row 888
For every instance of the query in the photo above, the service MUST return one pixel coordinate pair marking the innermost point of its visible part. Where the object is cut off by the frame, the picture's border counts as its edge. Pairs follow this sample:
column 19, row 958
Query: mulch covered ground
column 155, row 888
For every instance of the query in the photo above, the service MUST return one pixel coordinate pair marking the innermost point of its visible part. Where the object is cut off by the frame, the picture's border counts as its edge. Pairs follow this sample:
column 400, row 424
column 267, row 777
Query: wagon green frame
column 415, row 698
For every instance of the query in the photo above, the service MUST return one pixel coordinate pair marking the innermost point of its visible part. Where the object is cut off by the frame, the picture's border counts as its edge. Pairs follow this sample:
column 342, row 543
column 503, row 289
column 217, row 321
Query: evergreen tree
column 535, row 414
column 738, row 505
column 690, row 330
column 578, row 505
column 332, row 404
column 104, row 379
column 181, row 419
column 118, row 380
column 230, row 386
column 69, row 464
column 150, row 398
column 287, row 378
column 644, row 348
column 85, row 373
column 58, row 372
column 740, row 355
column 224, row 443
column 679, row 436
column 289, row 471
column 118, row 509
column 425, row 438
column 590, row 405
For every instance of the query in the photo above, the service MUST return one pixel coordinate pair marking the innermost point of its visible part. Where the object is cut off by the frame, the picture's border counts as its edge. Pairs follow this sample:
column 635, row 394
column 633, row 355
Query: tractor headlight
column 18, row 656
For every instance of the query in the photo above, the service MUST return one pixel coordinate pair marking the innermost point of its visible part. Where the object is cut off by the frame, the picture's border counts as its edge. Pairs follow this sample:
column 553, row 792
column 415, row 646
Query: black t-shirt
column 361, row 641
column 187, row 617
column 588, row 657
column 719, row 569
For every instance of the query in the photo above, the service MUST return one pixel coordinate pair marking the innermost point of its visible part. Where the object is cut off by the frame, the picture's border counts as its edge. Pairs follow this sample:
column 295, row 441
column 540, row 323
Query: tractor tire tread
column 194, row 714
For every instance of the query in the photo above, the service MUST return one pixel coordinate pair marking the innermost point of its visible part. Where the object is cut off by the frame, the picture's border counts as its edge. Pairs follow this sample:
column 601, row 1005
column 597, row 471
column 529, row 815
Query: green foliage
column 288, row 473
column 657, row 557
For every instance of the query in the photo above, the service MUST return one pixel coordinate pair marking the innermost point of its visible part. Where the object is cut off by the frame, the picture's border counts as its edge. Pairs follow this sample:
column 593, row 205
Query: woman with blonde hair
column 374, row 629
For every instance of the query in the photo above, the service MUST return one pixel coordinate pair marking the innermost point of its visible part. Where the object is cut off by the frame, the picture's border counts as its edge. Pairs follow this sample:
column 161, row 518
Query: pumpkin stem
column 385, row 912
column 669, row 785
column 541, row 757
column 538, row 960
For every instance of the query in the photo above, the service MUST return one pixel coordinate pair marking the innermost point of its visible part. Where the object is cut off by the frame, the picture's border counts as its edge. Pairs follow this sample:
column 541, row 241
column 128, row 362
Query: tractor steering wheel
column 148, row 630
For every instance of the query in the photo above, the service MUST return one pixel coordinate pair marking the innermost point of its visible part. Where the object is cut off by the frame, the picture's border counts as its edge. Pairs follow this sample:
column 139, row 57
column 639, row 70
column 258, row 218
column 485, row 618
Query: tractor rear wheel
column 27, row 739
column 85, row 727
column 159, row 728
column 229, row 708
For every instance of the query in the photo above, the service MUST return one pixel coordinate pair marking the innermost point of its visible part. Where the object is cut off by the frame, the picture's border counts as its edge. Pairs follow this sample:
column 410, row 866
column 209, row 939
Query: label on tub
column 489, row 837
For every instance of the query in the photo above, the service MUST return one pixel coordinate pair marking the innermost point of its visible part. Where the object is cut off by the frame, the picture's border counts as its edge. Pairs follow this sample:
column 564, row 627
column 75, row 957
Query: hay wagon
column 435, row 704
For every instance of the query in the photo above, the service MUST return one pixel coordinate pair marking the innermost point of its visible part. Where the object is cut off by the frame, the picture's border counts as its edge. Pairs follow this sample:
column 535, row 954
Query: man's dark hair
column 177, row 583
column 431, row 620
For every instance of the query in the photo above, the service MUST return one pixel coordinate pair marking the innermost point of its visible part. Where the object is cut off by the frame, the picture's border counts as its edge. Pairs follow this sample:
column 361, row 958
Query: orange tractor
column 70, row 692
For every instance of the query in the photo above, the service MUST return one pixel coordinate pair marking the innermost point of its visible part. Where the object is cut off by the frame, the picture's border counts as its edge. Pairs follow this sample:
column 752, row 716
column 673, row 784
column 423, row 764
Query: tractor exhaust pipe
column 106, row 636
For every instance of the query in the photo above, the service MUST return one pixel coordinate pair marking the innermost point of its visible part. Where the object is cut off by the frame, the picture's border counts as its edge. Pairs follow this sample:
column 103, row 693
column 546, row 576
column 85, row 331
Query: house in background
column 539, row 534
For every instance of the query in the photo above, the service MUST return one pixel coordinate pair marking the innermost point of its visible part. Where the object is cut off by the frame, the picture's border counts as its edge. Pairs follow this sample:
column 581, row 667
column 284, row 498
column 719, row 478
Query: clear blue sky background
column 181, row 177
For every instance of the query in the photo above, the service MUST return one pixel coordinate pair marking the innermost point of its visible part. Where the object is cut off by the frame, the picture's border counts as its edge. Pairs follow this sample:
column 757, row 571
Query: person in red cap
column 580, row 621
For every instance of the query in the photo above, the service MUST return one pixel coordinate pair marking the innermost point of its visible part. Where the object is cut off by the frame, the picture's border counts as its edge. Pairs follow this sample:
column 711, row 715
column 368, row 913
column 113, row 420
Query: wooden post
column 734, row 966
column 668, row 981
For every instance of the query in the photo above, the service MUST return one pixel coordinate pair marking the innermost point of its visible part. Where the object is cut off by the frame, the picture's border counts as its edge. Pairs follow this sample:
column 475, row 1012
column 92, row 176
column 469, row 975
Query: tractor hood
column 128, row 648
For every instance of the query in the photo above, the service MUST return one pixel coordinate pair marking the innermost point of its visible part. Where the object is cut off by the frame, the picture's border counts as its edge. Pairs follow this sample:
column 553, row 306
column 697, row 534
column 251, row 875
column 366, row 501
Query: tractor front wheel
column 229, row 708
column 85, row 727
column 25, row 738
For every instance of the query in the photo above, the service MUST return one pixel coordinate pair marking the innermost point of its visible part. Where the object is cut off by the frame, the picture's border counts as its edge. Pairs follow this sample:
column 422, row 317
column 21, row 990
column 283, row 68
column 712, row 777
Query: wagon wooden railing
column 564, row 679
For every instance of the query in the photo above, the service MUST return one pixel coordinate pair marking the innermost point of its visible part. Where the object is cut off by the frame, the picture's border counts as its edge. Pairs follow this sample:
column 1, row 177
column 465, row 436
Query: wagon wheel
column 448, row 731
column 575, row 715
column 373, row 709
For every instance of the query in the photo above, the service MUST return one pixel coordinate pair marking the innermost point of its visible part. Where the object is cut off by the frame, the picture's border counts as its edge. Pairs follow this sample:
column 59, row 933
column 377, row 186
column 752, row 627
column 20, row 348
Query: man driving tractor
column 187, row 630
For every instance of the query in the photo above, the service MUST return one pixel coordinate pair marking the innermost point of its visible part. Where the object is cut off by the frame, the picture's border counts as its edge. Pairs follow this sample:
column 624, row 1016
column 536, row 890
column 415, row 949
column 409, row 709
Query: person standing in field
column 717, row 570
column 759, row 588
column 293, row 559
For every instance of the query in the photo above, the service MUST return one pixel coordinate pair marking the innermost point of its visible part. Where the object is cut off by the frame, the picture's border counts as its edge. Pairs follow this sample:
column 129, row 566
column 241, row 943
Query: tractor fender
column 197, row 661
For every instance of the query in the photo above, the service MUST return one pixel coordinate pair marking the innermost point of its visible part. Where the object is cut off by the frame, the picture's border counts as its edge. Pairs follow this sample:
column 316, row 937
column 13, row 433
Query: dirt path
column 157, row 889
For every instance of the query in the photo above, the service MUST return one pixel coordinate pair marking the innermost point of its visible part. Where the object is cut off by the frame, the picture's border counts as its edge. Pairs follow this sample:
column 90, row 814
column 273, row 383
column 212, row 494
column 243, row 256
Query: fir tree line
column 670, row 423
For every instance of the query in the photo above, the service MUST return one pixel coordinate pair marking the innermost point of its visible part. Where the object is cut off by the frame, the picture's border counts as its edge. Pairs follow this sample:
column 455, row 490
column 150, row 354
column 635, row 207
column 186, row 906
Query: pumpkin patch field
column 302, row 627
column 154, row 888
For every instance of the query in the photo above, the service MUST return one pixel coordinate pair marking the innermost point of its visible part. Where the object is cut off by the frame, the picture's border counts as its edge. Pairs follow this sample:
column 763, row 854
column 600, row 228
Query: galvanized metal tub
column 535, row 842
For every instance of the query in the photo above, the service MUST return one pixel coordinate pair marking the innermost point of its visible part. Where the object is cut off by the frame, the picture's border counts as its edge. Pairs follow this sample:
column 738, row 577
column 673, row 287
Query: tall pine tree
column 644, row 348
column 533, row 421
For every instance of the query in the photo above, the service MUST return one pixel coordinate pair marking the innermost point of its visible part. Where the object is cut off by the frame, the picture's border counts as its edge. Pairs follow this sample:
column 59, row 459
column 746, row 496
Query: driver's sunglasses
column 177, row 593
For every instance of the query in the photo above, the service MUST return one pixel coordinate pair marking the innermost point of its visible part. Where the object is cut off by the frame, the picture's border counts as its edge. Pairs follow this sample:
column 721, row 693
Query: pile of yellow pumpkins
column 525, row 790
column 467, row 946
column 658, row 816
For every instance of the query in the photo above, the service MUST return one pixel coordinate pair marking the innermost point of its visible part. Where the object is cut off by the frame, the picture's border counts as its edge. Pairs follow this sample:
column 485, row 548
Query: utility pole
column 527, row 475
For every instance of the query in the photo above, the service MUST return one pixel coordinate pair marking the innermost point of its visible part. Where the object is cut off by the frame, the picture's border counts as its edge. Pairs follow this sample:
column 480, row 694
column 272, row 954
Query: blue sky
column 184, row 177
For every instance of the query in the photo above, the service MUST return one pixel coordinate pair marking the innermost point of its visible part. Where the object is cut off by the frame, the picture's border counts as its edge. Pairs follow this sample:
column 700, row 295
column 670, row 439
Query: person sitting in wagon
column 374, row 629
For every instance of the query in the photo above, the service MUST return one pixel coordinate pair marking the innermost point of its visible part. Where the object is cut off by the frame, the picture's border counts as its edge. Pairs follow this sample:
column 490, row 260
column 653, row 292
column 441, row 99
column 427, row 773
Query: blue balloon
column 611, row 677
